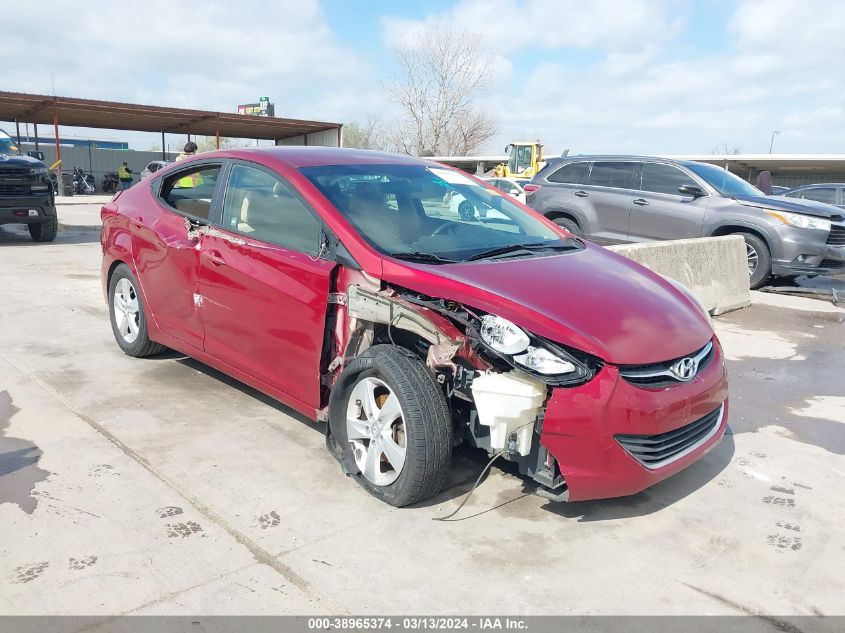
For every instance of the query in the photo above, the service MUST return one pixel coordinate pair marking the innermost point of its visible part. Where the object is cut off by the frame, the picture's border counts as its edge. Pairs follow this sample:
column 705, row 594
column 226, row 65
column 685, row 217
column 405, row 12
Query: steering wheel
column 446, row 227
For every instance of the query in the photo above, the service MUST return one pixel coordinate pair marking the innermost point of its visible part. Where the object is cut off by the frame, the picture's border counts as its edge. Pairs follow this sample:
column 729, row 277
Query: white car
column 154, row 166
column 508, row 186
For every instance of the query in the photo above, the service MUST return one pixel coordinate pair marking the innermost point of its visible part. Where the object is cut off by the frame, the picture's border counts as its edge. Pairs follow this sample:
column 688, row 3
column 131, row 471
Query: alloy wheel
column 376, row 429
column 753, row 258
column 126, row 310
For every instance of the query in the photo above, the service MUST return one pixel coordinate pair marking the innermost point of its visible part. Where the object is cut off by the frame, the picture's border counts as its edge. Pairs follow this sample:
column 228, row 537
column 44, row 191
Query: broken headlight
column 502, row 335
column 543, row 359
column 544, row 362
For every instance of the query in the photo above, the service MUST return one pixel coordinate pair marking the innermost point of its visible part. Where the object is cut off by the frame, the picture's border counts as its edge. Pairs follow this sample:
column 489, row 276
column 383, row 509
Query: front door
column 165, row 253
column 659, row 211
column 263, row 286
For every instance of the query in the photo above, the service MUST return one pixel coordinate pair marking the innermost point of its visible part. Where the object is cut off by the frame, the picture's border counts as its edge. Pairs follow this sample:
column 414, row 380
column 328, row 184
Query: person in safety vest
column 124, row 175
column 192, row 180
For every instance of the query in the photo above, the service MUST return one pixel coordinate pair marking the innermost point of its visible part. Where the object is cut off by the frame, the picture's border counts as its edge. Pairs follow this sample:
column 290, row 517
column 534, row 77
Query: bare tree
column 726, row 150
column 209, row 143
column 440, row 74
column 367, row 135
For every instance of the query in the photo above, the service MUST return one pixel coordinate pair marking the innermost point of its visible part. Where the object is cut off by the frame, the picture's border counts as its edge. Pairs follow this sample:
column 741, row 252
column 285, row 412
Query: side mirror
column 691, row 190
column 36, row 155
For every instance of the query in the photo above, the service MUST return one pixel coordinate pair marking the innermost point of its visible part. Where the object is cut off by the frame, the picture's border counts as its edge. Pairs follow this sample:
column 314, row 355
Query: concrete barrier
column 715, row 269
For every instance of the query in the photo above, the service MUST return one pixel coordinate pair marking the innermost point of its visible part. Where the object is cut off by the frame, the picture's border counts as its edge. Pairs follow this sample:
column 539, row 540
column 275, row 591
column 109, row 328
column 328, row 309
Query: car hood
column 12, row 160
column 591, row 299
column 782, row 203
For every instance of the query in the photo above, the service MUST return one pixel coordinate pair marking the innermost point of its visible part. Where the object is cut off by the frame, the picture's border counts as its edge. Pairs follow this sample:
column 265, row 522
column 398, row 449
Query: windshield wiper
column 530, row 247
column 426, row 258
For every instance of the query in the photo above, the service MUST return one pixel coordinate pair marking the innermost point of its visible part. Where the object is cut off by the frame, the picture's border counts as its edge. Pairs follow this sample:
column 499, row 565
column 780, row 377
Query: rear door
column 659, row 211
column 165, row 248
column 607, row 197
column 264, row 285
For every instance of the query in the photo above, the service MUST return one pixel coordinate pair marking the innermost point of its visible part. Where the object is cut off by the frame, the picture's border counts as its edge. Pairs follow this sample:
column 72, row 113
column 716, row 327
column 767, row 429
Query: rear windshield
column 402, row 209
column 723, row 181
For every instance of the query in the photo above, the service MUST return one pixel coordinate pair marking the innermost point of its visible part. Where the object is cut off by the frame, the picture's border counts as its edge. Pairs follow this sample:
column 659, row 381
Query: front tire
column 570, row 225
column 128, row 315
column 44, row 231
column 759, row 260
column 397, row 425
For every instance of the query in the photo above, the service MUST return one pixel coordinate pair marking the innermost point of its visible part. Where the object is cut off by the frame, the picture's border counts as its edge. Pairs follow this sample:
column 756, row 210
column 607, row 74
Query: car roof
column 320, row 156
column 819, row 184
column 620, row 157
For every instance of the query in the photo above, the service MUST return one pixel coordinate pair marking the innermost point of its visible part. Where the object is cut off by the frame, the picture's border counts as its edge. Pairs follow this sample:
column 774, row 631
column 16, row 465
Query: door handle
column 641, row 202
column 214, row 257
column 581, row 194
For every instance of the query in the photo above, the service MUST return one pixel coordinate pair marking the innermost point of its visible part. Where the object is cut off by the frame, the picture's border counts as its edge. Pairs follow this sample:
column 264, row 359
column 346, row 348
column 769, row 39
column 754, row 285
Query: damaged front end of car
column 496, row 377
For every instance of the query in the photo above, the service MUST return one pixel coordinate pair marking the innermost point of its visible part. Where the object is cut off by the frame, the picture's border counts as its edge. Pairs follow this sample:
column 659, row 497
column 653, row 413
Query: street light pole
column 772, row 143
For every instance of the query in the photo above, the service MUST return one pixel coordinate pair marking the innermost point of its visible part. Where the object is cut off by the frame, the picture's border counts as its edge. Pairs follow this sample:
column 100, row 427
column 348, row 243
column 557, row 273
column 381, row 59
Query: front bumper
column 806, row 252
column 581, row 425
column 15, row 209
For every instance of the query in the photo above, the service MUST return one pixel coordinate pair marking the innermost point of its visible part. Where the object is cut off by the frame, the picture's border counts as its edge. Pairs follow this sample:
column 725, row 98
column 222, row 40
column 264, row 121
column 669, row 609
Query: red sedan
column 340, row 283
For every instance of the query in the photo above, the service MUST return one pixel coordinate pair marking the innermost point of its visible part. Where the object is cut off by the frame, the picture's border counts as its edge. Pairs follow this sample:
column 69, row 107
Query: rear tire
column 570, row 225
column 407, row 411
column 128, row 316
column 759, row 260
column 44, row 231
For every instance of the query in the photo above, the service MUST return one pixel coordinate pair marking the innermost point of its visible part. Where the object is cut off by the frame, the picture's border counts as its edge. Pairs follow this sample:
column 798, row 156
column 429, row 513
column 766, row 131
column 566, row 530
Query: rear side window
column 571, row 174
column 261, row 206
column 659, row 178
column 611, row 174
column 190, row 191
column 818, row 194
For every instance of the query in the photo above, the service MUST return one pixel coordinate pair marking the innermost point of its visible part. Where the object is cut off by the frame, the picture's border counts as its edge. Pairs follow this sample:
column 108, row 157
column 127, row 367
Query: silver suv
column 624, row 199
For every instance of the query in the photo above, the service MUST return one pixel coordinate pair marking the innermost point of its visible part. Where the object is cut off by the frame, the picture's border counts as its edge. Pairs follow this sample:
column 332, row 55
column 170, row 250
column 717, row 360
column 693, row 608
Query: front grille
column 831, row 263
column 655, row 451
column 15, row 171
column 837, row 235
column 14, row 190
column 659, row 375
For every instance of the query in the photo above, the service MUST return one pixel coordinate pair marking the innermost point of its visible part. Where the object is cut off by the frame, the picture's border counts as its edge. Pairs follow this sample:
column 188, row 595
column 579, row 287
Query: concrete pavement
column 162, row 486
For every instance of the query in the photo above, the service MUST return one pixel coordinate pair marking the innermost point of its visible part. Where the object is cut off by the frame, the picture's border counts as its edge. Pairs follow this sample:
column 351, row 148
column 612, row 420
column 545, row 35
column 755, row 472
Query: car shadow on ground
column 469, row 462
column 18, row 235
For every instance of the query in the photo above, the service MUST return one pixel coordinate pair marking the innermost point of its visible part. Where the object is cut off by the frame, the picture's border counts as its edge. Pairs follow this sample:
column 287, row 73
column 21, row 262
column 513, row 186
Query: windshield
column 429, row 211
column 7, row 145
column 723, row 181
column 520, row 158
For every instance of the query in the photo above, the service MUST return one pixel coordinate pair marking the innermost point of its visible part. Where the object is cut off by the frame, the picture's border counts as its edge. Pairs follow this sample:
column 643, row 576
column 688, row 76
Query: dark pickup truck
column 26, row 193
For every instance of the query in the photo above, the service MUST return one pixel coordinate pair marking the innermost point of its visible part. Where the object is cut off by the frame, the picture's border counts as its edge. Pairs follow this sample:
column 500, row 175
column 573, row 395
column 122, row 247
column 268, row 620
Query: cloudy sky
column 626, row 76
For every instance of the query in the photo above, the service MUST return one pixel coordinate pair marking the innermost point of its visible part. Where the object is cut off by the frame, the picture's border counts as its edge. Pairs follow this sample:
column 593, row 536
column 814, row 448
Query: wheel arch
column 731, row 229
column 553, row 214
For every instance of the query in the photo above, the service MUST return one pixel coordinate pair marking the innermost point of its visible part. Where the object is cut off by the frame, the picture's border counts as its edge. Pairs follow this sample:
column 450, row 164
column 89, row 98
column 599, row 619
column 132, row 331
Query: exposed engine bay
column 496, row 404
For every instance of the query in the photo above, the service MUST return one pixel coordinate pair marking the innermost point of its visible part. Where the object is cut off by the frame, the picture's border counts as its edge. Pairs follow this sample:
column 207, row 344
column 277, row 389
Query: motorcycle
column 54, row 181
column 83, row 183
column 110, row 182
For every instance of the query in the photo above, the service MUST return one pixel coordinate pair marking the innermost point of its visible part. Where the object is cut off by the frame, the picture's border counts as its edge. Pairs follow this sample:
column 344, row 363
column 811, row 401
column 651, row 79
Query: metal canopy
column 113, row 115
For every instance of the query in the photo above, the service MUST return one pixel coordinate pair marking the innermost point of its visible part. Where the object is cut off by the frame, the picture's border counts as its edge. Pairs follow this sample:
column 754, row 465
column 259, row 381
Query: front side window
column 191, row 191
column 612, row 174
column 818, row 194
column 659, row 178
column 260, row 205
column 571, row 174
column 418, row 211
